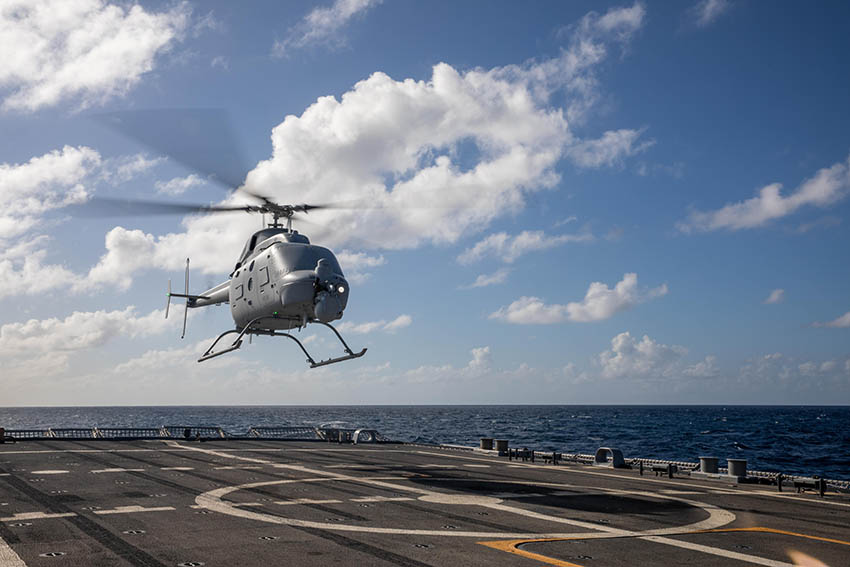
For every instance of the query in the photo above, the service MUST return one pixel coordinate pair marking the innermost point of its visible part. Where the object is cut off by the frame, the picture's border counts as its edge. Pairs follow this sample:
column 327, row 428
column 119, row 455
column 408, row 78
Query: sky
column 572, row 202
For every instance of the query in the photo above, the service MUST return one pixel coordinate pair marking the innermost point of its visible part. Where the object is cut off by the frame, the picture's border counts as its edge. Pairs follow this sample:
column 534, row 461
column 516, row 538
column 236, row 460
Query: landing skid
column 247, row 330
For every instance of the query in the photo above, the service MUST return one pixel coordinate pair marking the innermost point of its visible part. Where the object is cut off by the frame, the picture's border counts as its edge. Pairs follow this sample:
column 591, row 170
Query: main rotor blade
column 202, row 139
column 107, row 206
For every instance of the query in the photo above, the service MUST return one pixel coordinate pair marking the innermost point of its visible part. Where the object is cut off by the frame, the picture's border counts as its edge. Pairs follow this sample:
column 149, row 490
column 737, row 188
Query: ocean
column 802, row 440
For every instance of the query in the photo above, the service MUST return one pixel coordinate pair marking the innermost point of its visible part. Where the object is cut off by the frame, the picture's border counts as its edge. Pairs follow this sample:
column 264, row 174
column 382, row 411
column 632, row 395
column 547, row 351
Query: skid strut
column 349, row 354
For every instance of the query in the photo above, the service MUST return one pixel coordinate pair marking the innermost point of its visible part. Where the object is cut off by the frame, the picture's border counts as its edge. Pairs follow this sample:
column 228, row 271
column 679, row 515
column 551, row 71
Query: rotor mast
column 282, row 211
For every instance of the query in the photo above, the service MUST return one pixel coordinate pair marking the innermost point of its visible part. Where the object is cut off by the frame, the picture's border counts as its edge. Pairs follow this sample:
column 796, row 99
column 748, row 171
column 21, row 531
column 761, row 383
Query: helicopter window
column 250, row 281
column 251, row 267
column 298, row 257
column 264, row 275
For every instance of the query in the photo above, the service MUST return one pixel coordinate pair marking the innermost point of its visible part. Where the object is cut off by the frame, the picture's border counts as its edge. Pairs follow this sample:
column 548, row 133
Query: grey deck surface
column 168, row 503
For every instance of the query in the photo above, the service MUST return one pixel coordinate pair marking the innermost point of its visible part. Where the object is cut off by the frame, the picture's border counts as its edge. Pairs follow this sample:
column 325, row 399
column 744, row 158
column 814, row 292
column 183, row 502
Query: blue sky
column 579, row 202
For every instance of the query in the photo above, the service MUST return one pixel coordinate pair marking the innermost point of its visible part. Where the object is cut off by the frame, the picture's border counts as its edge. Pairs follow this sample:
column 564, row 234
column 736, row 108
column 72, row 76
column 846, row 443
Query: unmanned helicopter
column 281, row 280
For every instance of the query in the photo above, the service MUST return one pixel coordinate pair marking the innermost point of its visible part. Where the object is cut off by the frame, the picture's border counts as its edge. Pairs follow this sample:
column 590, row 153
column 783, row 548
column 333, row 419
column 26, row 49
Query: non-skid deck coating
column 168, row 503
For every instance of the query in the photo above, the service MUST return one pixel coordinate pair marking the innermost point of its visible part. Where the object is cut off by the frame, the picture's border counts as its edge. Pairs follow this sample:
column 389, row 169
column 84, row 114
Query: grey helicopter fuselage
column 281, row 282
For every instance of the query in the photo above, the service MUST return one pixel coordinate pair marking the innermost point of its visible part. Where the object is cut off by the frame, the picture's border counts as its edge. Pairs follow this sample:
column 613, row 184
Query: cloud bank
column 394, row 143
column 599, row 303
column 828, row 186
column 87, row 50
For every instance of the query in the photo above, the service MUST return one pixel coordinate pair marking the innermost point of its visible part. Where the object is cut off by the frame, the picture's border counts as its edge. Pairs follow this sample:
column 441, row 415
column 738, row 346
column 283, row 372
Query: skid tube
column 249, row 331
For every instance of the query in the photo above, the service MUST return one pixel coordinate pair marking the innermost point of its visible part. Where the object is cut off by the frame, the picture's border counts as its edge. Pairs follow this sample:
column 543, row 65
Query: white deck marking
column 681, row 492
column 50, row 472
column 248, row 504
column 478, row 466
column 177, row 468
column 238, row 468
column 175, row 444
column 515, row 495
column 101, row 471
column 435, row 466
column 306, row 501
column 557, row 519
column 212, row 500
column 8, row 557
column 719, row 552
column 35, row 516
column 5, row 474
column 382, row 499
column 182, row 449
column 132, row 510
column 717, row 517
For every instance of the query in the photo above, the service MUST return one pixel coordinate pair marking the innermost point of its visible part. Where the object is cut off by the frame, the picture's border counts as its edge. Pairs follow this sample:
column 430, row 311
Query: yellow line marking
column 773, row 531
column 511, row 546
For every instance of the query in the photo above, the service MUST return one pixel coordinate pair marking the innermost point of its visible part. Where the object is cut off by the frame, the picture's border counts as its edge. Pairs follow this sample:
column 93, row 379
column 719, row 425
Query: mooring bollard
column 502, row 446
column 487, row 443
column 708, row 465
column 737, row 467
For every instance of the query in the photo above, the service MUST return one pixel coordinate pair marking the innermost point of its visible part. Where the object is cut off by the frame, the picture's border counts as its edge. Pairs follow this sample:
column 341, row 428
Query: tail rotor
column 186, row 308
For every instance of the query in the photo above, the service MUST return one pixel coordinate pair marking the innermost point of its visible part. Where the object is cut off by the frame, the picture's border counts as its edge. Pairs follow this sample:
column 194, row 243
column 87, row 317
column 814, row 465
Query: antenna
column 186, row 308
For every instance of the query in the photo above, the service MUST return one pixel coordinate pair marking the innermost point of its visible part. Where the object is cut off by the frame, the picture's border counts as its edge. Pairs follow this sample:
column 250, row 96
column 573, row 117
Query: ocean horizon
column 809, row 440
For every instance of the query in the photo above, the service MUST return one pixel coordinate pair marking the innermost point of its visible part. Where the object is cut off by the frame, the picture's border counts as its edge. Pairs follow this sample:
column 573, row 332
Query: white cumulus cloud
column 633, row 358
column 399, row 322
column 706, row 12
column 88, row 50
column 53, row 180
column 776, row 296
column 356, row 265
column 600, row 303
column 392, row 143
column 78, row 331
column 840, row 322
column 396, row 324
column 706, row 368
column 531, row 311
column 322, row 26
column 484, row 280
column 825, row 188
column 608, row 150
column 178, row 185
column 510, row 248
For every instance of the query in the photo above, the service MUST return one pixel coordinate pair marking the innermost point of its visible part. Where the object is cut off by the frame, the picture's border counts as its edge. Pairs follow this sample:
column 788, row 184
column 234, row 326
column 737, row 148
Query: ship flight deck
column 174, row 502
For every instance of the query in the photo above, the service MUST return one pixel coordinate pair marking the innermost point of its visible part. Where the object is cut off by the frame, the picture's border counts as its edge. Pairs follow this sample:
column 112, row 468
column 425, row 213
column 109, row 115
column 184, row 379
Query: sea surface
column 791, row 439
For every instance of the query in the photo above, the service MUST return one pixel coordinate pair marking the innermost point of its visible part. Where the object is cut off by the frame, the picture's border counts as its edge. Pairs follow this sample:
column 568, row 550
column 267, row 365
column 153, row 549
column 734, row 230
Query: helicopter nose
column 331, row 301
column 298, row 287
